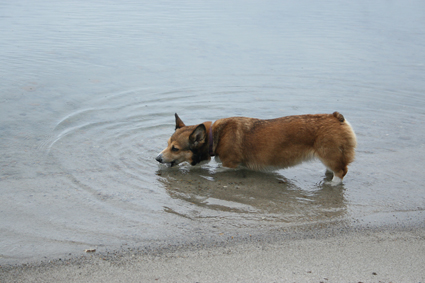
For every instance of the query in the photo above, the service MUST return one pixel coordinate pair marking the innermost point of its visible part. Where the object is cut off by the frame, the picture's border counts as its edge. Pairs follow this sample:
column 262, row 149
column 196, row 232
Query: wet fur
column 266, row 144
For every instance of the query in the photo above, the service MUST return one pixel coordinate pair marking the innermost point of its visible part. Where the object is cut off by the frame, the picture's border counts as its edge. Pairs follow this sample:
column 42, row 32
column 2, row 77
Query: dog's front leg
column 229, row 163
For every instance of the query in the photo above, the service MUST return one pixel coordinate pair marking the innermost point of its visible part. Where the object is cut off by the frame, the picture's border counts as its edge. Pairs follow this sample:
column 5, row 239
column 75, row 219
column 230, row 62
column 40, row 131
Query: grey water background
column 88, row 90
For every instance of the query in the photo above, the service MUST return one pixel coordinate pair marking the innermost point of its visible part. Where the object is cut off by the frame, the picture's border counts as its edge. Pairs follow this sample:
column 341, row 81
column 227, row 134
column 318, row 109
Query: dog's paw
column 336, row 181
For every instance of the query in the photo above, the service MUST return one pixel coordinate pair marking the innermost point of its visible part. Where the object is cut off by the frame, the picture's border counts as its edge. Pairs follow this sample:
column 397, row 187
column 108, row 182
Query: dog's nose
column 159, row 158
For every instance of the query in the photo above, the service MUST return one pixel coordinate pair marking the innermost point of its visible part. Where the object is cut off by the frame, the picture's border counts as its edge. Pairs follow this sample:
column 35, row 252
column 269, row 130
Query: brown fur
column 266, row 144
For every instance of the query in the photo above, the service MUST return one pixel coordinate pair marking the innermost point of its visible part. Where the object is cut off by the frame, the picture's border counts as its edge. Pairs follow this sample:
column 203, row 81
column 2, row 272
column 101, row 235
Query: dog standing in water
column 265, row 144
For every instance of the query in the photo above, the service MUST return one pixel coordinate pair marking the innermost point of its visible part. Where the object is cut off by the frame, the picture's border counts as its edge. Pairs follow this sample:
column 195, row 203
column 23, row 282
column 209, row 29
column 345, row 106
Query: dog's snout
column 159, row 158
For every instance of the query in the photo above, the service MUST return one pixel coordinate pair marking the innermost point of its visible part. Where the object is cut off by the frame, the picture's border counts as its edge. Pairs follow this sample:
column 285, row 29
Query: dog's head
column 187, row 144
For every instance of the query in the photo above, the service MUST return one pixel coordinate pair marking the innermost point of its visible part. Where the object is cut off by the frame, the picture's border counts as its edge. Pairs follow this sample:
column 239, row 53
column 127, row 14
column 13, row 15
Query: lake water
column 88, row 92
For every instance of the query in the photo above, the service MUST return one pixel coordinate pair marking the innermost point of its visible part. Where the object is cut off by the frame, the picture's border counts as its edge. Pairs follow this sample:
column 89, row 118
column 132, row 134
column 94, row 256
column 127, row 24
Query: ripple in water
column 108, row 151
column 78, row 168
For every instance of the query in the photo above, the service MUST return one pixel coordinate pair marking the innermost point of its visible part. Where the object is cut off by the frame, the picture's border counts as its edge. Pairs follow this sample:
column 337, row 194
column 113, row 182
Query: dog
column 265, row 144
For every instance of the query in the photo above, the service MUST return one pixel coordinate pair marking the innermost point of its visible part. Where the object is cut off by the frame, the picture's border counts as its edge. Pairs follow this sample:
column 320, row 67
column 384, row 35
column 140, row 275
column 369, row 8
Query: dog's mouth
column 169, row 164
column 161, row 160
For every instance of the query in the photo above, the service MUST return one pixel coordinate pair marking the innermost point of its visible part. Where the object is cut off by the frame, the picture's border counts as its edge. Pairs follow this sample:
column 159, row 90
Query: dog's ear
column 198, row 136
column 179, row 122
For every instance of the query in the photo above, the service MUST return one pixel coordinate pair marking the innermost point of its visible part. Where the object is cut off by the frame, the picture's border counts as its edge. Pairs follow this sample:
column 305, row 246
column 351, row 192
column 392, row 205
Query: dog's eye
column 175, row 149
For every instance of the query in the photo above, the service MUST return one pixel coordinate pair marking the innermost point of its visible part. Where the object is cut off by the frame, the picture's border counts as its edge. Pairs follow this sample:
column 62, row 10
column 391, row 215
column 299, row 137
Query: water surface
column 88, row 91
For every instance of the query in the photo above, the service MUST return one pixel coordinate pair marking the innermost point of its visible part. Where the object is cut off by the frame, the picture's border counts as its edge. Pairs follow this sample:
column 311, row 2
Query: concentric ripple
column 89, row 92
column 108, row 150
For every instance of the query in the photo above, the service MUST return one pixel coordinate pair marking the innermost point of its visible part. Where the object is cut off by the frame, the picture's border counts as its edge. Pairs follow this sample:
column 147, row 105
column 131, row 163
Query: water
column 88, row 91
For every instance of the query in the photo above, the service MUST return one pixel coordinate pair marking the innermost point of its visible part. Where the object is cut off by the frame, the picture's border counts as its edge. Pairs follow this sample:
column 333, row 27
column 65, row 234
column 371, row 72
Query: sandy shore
column 336, row 255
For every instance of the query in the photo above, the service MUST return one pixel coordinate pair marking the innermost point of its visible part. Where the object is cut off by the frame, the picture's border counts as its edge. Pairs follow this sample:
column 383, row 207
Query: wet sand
column 331, row 254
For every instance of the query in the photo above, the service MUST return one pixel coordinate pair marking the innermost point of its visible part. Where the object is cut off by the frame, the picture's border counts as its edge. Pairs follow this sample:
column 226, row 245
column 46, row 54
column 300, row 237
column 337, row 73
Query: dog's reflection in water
column 250, row 194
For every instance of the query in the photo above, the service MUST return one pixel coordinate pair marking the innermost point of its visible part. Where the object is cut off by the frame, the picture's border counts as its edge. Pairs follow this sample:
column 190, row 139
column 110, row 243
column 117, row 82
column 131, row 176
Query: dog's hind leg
column 329, row 172
column 338, row 174
column 335, row 162
column 336, row 180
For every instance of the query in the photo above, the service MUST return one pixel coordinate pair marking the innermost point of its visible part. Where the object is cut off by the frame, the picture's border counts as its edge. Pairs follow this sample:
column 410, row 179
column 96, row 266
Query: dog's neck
column 211, row 141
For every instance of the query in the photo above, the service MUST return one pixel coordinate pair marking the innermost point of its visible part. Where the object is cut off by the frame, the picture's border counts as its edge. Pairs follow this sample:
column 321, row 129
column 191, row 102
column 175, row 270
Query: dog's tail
column 339, row 116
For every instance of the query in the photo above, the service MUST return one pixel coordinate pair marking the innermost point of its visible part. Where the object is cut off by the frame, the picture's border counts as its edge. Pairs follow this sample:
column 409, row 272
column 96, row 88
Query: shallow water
column 88, row 91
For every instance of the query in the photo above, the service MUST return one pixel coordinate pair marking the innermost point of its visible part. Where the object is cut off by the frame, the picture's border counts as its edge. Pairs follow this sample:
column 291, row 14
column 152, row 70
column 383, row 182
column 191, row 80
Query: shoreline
column 307, row 254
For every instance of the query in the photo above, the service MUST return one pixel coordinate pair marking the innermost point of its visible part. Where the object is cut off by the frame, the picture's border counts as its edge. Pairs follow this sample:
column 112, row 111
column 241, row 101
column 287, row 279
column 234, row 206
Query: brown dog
column 265, row 144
